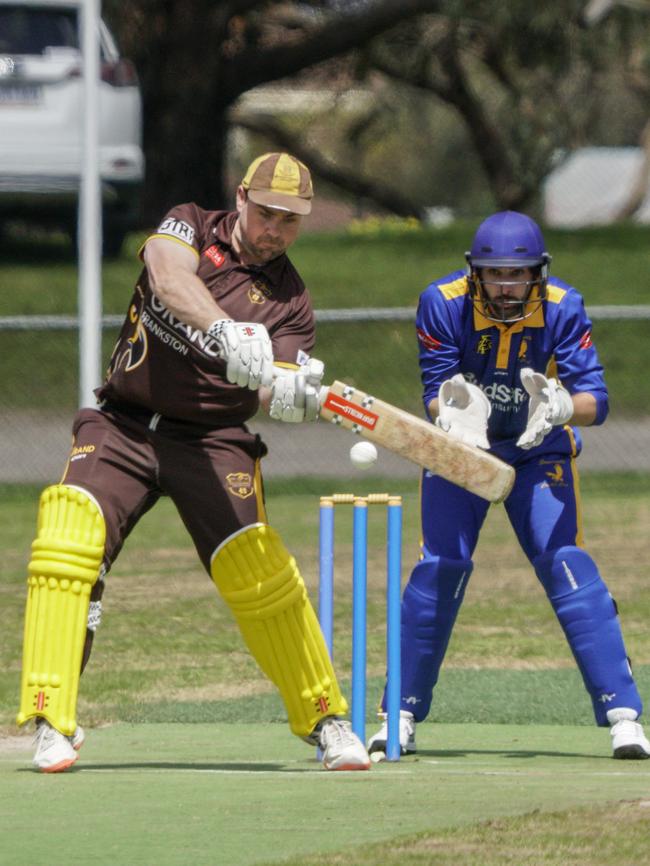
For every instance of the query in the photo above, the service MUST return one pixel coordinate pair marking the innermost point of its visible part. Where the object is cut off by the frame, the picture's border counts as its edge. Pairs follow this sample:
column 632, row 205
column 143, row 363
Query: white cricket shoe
column 341, row 748
column 78, row 738
column 377, row 743
column 54, row 751
column 628, row 739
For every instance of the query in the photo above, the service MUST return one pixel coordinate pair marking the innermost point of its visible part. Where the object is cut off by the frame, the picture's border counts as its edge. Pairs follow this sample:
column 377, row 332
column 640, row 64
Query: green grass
column 188, row 750
column 159, row 597
column 237, row 794
column 380, row 269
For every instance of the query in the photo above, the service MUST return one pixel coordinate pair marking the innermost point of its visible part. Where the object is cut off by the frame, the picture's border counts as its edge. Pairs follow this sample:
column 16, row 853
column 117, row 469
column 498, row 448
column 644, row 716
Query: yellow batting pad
column 66, row 557
column 260, row 582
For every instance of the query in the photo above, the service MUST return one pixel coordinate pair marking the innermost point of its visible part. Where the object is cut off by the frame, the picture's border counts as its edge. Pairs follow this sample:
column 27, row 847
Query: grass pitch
column 189, row 758
column 233, row 795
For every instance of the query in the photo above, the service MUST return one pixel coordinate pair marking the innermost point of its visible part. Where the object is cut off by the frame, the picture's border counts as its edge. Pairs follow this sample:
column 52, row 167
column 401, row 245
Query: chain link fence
column 374, row 349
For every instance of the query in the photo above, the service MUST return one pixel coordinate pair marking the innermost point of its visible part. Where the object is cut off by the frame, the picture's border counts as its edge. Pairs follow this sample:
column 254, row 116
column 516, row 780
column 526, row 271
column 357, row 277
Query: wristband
column 217, row 327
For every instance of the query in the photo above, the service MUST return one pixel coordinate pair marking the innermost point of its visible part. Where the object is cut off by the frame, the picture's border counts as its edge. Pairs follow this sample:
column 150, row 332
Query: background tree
column 465, row 104
column 530, row 83
column 197, row 57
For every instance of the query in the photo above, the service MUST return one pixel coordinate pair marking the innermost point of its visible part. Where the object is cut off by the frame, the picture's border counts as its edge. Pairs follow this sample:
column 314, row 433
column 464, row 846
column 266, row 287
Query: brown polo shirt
column 163, row 365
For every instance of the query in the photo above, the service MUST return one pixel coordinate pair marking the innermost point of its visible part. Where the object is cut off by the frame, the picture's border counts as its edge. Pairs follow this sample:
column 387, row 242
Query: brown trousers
column 212, row 475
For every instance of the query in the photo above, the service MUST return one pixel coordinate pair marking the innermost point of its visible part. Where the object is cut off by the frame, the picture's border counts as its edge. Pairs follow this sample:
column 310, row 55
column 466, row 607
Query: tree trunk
column 190, row 165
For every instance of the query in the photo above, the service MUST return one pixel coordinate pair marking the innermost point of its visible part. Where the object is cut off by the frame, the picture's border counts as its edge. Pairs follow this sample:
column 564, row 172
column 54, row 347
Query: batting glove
column 463, row 411
column 246, row 348
column 550, row 405
column 295, row 394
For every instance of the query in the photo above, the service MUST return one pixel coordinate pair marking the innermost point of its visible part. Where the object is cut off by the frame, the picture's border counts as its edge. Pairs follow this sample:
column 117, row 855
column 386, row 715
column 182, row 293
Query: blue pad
column 588, row 616
column 430, row 604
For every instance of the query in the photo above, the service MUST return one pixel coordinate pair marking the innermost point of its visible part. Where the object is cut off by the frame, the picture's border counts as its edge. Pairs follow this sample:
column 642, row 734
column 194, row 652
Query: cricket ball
column 363, row 455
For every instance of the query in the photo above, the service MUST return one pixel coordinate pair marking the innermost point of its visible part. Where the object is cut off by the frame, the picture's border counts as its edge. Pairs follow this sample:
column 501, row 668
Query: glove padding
column 463, row 411
column 550, row 405
column 295, row 393
column 246, row 348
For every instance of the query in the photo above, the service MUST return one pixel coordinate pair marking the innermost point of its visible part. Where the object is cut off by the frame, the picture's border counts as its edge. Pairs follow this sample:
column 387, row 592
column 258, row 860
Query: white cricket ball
column 363, row 455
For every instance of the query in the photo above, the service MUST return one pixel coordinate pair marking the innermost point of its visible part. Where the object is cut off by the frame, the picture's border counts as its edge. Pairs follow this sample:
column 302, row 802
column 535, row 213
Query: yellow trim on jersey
column 286, row 365
column 455, row 289
column 554, row 294
column 166, row 238
column 535, row 320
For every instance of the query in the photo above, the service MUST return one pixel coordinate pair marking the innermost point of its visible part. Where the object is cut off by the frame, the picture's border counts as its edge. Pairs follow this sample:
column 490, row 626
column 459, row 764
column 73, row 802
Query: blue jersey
column 455, row 337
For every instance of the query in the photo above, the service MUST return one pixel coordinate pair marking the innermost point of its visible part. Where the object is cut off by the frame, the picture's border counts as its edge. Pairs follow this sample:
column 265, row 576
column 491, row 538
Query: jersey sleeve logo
column 177, row 229
column 428, row 341
column 585, row 340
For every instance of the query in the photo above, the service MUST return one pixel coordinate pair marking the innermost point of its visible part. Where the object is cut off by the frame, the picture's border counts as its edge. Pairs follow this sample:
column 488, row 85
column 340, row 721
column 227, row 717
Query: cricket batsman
column 216, row 306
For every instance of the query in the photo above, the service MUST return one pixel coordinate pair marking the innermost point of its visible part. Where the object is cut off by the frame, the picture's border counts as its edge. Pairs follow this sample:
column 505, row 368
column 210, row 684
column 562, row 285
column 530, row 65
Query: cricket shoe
column 628, row 740
column 377, row 743
column 340, row 747
column 54, row 751
column 78, row 738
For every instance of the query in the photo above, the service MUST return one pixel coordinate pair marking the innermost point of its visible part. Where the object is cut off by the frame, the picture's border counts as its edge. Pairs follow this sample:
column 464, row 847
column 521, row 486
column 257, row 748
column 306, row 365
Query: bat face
column 418, row 441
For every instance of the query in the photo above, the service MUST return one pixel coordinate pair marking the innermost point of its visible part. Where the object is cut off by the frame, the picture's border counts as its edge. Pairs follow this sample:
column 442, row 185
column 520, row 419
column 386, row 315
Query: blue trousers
column 543, row 509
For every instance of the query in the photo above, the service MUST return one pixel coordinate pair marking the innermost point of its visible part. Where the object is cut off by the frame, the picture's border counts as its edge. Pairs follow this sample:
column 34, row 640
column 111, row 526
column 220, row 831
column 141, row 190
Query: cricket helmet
column 508, row 240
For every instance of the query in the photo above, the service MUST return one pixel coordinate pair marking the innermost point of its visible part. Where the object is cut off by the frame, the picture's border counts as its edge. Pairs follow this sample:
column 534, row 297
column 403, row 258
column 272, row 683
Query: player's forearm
column 585, row 408
column 187, row 298
column 173, row 279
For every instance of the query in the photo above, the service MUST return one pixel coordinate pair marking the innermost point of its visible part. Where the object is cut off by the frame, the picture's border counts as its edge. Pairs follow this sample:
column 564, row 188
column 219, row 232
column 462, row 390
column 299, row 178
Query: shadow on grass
column 507, row 753
column 171, row 766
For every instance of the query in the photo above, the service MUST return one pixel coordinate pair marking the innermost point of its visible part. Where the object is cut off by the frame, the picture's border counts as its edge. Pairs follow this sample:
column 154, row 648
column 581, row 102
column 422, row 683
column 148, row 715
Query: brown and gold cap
column 279, row 180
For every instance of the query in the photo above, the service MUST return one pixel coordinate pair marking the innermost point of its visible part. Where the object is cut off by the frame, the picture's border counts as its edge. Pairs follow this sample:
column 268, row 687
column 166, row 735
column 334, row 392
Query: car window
column 33, row 30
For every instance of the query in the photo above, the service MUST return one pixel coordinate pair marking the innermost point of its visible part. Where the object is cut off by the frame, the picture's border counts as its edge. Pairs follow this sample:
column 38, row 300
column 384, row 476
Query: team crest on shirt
column 258, row 292
column 523, row 349
column 240, row 484
column 484, row 345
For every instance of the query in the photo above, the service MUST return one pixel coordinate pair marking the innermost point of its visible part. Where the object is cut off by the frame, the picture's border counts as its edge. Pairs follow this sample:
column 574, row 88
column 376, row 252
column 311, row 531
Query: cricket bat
column 417, row 440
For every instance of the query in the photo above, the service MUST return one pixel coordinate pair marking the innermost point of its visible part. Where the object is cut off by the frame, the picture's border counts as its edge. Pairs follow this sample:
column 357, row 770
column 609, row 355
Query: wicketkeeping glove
column 246, row 349
column 463, row 411
column 295, row 393
column 550, row 405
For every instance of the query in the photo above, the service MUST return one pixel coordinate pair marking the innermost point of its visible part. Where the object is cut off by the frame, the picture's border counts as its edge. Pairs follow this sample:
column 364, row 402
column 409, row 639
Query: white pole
column 89, row 230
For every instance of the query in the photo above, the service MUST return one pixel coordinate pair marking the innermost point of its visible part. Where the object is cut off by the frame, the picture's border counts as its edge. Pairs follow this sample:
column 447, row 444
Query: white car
column 41, row 102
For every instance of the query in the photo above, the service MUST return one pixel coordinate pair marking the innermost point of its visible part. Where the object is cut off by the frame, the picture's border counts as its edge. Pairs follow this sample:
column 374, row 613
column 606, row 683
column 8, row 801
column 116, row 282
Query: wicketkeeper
column 508, row 364
column 217, row 305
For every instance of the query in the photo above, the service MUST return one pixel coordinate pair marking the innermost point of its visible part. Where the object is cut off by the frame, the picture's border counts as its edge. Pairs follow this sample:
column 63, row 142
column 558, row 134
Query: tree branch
column 337, row 36
column 348, row 181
